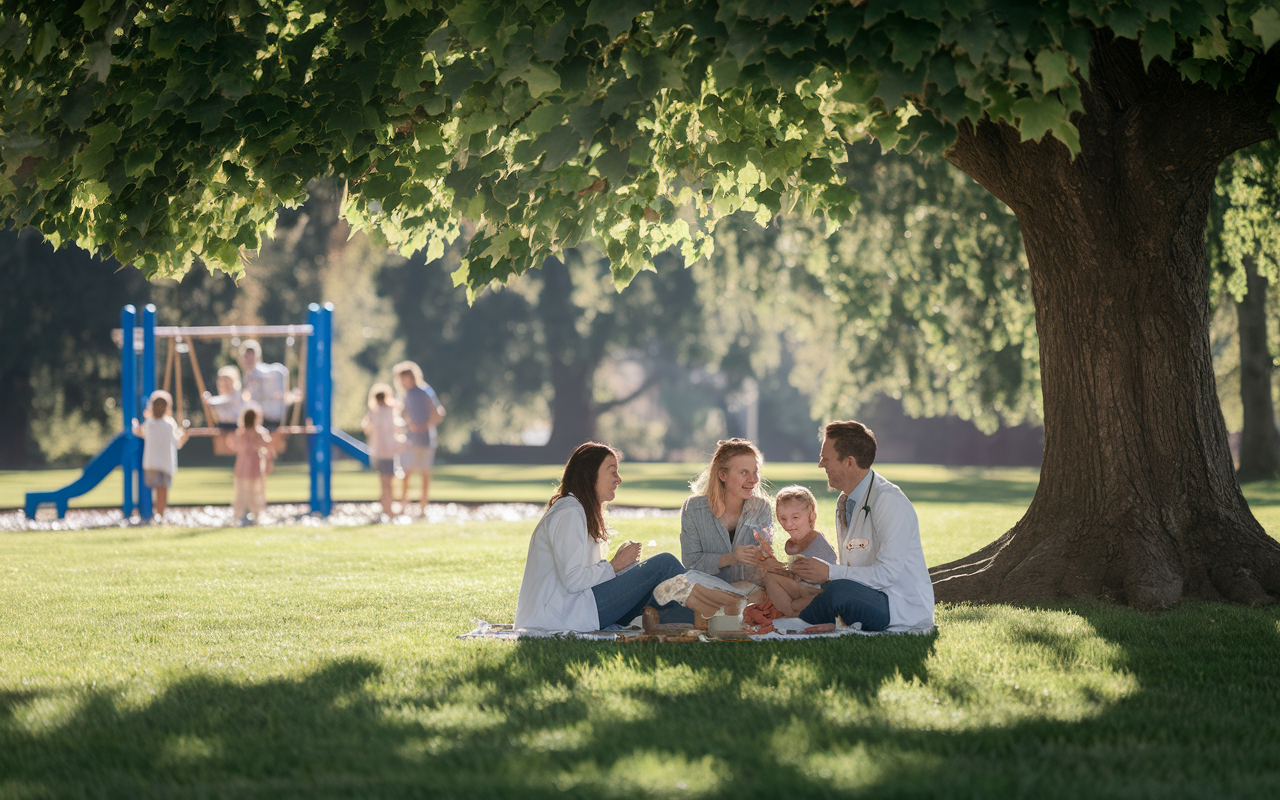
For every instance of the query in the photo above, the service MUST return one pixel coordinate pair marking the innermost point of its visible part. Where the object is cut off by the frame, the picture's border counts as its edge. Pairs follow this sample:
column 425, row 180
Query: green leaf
column 541, row 79
column 463, row 182
column 1054, row 69
column 77, row 106
column 98, row 60
column 612, row 164
column 560, row 144
column 95, row 156
column 141, row 161
column 1038, row 117
column 1125, row 22
column 1079, row 43
column 209, row 112
column 44, row 40
column 1157, row 40
column 774, row 10
column 1266, row 24
column 615, row 15
column 894, row 83
column 91, row 11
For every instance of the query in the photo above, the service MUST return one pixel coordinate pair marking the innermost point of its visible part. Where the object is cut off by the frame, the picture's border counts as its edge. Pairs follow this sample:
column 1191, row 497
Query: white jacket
column 882, row 549
column 562, row 566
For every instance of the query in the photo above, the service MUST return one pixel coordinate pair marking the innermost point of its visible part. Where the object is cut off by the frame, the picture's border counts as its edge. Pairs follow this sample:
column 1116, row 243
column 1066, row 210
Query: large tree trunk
column 1138, row 501
column 1260, row 439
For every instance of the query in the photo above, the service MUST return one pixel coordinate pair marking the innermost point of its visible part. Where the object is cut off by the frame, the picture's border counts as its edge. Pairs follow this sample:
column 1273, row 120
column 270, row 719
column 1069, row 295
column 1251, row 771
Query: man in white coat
column 880, row 579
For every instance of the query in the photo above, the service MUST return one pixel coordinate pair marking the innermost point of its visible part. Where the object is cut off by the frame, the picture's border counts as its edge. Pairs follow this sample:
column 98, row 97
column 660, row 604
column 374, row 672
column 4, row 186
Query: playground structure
column 138, row 381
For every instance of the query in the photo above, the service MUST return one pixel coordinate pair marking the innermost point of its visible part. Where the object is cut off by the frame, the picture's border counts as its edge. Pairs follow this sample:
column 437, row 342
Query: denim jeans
column 622, row 599
column 852, row 602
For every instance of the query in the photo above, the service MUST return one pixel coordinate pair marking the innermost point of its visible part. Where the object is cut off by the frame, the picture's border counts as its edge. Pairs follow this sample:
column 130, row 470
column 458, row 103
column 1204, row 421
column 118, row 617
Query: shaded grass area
column 321, row 662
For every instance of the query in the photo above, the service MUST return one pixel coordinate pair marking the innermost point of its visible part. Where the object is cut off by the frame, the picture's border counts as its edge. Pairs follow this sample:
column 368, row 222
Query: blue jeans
column 852, row 602
column 622, row 599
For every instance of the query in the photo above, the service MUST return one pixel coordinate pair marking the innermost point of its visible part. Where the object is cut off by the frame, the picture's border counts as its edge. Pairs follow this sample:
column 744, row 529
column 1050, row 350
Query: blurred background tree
column 1244, row 251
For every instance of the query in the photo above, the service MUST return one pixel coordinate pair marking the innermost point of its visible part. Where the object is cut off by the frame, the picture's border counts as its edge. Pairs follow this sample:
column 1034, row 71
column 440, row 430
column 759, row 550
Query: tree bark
column 1259, row 439
column 1138, row 501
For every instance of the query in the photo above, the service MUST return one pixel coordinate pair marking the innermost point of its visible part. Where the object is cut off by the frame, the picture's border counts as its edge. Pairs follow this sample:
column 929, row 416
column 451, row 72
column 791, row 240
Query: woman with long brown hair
column 568, row 583
column 728, row 507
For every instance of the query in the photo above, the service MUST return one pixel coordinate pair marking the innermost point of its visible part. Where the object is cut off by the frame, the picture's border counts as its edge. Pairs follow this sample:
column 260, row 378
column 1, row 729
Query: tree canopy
column 163, row 132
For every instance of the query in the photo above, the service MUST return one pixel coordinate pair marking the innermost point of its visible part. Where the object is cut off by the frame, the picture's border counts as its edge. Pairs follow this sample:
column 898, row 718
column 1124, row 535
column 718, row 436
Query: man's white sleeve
column 898, row 531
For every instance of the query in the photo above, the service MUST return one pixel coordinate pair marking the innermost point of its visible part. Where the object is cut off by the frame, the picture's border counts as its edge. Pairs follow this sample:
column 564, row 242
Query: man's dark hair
column 852, row 439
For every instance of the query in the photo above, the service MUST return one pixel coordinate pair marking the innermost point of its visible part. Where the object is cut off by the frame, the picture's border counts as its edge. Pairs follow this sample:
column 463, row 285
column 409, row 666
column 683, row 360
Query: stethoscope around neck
column 866, row 501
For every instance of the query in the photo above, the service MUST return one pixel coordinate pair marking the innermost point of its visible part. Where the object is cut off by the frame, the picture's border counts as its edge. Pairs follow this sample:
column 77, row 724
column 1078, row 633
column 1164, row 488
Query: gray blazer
column 703, row 538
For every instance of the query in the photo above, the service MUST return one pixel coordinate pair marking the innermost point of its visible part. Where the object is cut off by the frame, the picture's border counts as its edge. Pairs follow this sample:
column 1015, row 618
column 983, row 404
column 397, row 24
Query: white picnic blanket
column 786, row 630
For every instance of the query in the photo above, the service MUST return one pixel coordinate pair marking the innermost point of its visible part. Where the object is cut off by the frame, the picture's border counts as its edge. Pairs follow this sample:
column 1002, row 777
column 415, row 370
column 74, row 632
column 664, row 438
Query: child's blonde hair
column 232, row 372
column 795, row 494
column 709, row 483
column 381, row 394
column 161, row 395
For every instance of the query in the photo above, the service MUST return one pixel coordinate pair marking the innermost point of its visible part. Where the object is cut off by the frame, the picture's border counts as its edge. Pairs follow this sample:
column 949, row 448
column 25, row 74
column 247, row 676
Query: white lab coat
column 562, row 566
column 882, row 549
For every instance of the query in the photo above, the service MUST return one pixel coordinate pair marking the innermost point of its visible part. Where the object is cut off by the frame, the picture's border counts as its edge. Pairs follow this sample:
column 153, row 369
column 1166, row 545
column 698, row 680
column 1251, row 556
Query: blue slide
column 350, row 445
column 95, row 471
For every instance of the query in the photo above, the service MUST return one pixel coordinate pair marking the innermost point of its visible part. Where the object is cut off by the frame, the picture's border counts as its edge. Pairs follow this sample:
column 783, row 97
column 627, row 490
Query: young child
column 385, row 441
column 797, row 511
column 252, row 445
column 162, row 436
column 227, row 403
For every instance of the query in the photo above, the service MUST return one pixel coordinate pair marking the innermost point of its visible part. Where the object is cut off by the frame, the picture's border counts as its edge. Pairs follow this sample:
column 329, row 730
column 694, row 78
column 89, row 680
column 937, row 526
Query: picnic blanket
column 787, row 629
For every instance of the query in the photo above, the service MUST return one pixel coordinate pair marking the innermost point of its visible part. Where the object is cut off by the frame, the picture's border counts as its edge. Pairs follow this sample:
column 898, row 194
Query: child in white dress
column 162, row 436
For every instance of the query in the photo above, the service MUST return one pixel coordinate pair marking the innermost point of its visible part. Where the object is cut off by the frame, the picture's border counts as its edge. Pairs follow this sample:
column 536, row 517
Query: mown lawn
column 658, row 485
column 273, row 662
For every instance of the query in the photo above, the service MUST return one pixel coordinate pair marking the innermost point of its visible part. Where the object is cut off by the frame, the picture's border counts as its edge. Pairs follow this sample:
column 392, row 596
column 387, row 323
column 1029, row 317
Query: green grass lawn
column 657, row 485
column 273, row 662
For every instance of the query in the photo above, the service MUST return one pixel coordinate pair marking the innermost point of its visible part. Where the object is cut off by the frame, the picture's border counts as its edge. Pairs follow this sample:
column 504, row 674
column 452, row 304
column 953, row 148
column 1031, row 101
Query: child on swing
column 797, row 511
column 385, row 441
column 252, row 446
column 162, row 437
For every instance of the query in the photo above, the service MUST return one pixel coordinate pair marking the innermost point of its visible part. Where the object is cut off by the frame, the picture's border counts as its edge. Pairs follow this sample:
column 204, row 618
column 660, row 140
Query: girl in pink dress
column 252, row 445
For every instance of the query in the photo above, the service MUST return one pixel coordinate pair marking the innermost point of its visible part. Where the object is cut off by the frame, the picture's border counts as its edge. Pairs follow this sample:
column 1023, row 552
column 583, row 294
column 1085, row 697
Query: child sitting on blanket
column 797, row 511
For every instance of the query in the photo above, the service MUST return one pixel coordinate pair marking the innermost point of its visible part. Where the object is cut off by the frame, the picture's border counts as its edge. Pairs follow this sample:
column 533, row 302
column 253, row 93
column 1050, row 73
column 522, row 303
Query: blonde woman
column 720, row 521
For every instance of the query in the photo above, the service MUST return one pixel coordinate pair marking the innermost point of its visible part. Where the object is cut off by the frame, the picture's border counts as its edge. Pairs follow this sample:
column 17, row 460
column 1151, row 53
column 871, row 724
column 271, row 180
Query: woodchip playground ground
column 322, row 661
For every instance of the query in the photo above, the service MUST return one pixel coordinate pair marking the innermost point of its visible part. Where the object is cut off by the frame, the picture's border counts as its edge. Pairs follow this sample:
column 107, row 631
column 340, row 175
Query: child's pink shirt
column 248, row 445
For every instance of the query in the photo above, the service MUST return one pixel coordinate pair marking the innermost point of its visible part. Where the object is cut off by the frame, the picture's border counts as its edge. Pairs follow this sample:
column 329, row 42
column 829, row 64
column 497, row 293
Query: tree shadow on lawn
column 1197, row 714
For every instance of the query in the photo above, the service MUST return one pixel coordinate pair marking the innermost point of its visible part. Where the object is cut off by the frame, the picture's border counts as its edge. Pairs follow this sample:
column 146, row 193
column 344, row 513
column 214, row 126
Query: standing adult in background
column 422, row 411
column 880, row 578
column 265, row 385
column 718, row 524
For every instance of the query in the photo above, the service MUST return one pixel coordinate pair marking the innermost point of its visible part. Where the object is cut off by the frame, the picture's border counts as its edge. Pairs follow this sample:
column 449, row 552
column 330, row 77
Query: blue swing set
column 138, row 381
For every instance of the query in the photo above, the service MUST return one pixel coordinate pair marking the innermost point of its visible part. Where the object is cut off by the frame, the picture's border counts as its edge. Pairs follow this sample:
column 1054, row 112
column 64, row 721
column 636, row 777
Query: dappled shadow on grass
column 1049, row 703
